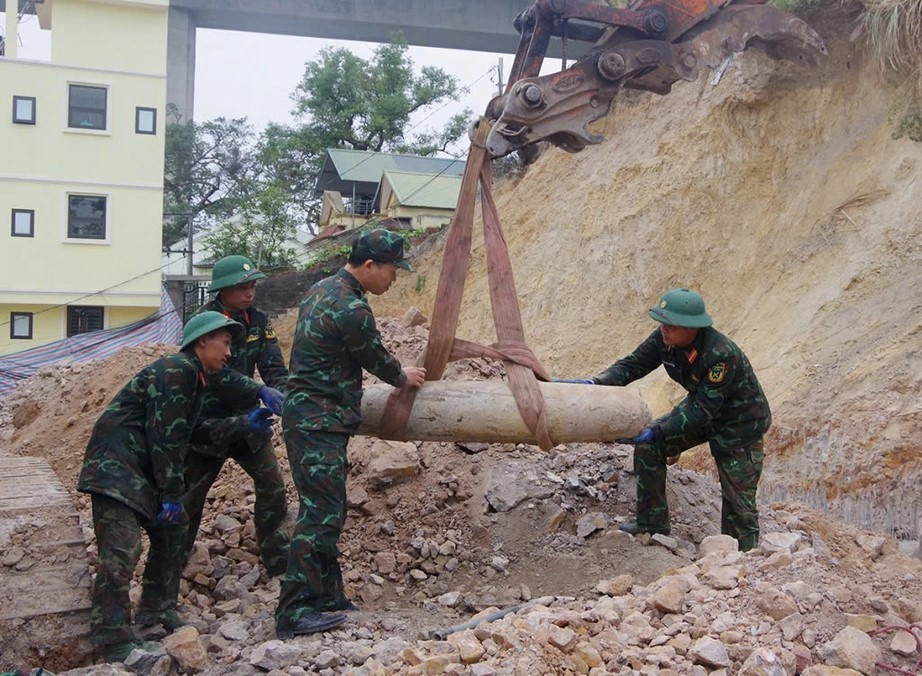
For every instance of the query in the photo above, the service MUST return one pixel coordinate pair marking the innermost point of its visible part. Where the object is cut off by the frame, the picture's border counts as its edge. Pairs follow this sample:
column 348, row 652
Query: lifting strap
column 522, row 366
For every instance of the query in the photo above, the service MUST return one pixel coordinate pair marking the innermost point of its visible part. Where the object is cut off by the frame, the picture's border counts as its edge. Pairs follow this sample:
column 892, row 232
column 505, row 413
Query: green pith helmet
column 232, row 270
column 681, row 307
column 206, row 322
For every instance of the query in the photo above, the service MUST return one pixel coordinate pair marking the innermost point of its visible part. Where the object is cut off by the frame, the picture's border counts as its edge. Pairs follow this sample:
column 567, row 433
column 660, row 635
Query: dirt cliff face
column 779, row 193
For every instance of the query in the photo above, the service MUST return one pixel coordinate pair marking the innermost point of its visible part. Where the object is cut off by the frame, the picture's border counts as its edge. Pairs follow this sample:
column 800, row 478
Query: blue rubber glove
column 575, row 381
column 272, row 398
column 647, row 436
column 259, row 419
column 171, row 513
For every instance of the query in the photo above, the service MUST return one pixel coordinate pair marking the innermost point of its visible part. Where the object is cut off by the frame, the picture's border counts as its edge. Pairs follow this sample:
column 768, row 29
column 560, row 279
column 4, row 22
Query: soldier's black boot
column 635, row 528
column 310, row 623
column 119, row 652
column 156, row 625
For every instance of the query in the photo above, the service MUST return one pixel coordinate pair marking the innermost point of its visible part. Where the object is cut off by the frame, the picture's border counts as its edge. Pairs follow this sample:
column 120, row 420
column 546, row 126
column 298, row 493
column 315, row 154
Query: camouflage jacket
column 336, row 337
column 138, row 445
column 725, row 405
column 222, row 422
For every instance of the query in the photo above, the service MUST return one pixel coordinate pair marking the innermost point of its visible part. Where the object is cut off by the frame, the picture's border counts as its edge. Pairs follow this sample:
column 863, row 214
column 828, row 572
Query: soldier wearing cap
column 230, row 427
column 725, row 407
column 133, row 471
column 335, row 339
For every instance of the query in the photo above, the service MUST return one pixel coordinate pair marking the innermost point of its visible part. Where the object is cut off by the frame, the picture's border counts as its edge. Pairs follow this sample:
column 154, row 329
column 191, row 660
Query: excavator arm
column 649, row 46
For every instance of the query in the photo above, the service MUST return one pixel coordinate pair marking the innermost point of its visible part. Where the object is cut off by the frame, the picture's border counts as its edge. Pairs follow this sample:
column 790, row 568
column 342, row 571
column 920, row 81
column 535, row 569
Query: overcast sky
column 253, row 75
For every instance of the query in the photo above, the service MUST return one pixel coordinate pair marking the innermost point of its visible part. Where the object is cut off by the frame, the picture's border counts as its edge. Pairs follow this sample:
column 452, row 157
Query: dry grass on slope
column 894, row 32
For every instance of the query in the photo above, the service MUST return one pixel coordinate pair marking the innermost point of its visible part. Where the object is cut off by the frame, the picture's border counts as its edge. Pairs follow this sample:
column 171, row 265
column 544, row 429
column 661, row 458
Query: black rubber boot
column 635, row 528
column 310, row 623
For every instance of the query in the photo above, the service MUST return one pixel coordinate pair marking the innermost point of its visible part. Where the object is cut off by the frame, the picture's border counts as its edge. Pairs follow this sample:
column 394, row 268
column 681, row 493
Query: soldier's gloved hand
column 259, row 420
column 647, row 436
column 272, row 398
column 575, row 381
column 171, row 513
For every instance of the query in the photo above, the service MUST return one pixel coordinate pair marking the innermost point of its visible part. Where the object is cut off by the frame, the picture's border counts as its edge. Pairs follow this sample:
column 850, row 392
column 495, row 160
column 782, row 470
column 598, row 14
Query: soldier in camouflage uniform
column 336, row 337
column 133, row 470
column 224, row 429
column 725, row 407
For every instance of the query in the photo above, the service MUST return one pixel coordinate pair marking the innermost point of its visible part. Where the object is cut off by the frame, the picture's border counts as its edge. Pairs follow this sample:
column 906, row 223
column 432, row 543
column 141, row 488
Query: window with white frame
column 21, row 325
column 86, row 216
column 86, row 107
column 23, row 223
column 24, row 109
column 84, row 319
column 145, row 120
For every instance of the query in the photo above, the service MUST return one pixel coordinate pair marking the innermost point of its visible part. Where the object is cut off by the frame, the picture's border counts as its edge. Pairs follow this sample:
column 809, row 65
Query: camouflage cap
column 233, row 270
column 381, row 246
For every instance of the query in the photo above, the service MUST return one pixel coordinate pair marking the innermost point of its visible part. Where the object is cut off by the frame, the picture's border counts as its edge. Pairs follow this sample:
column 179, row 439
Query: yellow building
column 81, row 171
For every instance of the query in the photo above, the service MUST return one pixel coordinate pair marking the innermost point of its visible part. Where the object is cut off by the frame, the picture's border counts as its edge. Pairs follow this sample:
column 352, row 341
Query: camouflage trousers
column 314, row 580
column 118, row 540
column 739, row 473
column 269, row 511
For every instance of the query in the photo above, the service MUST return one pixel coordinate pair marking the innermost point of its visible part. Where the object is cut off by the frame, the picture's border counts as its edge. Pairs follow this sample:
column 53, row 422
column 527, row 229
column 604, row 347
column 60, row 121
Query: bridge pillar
column 180, row 62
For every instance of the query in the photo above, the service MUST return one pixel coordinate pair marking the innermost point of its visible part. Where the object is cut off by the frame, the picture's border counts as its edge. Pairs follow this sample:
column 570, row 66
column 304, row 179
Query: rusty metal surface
column 650, row 47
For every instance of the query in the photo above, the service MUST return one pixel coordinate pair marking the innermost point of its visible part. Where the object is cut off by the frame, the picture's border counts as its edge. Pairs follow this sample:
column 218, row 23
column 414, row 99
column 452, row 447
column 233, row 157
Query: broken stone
column 791, row 626
column 779, row 542
column 326, row 659
column 865, row 623
column 709, row 652
column 145, row 663
column 762, row 662
column 590, row 523
column 412, row 317
column 562, row 638
column 450, row 599
column 391, row 461
column 669, row 543
column 776, row 604
column 234, row 631
column 717, row 543
column 724, row 577
column 224, row 523
column 499, row 563
column 618, row 586
column 903, row 643
column 851, row 648
column 504, row 491
column 385, row 562
column 185, row 647
column 274, row 655
column 670, row 598
column 871, row 544
column 776, row 561
column 467, row 645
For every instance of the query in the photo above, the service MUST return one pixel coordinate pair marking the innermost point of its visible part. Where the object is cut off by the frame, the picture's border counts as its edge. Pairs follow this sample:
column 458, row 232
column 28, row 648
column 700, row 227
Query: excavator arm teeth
column 558, row 108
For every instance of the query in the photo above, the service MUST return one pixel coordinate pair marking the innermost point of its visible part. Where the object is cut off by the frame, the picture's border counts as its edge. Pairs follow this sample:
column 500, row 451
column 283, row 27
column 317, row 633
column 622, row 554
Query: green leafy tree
column 261, row 230
column 345, row 101
column 210, row 168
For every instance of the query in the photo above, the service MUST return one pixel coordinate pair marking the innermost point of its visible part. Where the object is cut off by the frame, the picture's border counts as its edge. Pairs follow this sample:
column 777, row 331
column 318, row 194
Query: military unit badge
column 717, row 372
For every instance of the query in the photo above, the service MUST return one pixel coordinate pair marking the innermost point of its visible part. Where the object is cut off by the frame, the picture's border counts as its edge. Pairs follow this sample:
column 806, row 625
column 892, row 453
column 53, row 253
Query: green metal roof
column 422, row 190
column 344, row 169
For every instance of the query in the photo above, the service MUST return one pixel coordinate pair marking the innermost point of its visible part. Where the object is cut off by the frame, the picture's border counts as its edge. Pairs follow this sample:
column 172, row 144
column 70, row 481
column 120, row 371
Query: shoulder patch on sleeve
column 269, row 333
column 717, row 372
